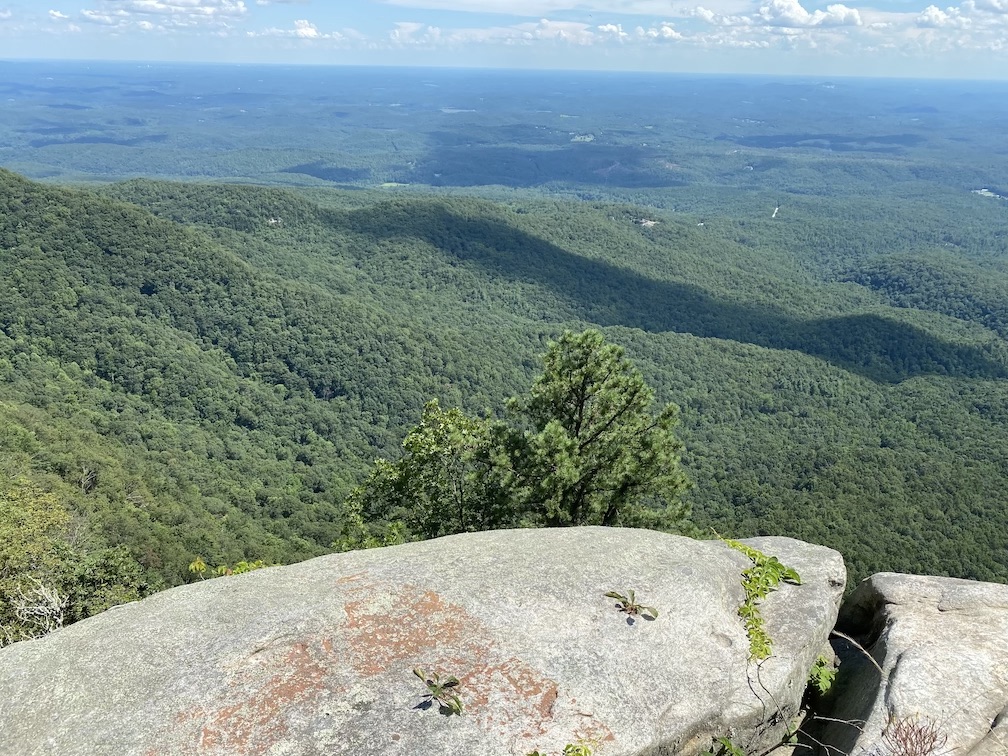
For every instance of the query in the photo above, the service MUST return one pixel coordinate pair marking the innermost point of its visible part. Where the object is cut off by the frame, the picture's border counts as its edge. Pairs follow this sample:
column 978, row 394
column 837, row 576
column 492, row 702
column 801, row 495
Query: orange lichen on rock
column 508, row 692
column 265, row 692
column 408, row 624
column 408, row 628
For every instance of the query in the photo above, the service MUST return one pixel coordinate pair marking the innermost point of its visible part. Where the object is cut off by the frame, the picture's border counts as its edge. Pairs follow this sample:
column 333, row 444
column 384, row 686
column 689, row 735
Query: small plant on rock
column 822, row 675
column 912, row 736
column 725, row 747
column 629, row 606
column 442, row 691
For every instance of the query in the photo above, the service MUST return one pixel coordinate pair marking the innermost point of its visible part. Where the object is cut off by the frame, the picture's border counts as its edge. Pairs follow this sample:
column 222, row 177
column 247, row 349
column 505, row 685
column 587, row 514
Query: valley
column 225, row 292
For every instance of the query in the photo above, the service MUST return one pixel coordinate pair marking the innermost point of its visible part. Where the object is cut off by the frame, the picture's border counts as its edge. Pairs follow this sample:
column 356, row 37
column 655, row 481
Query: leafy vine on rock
column 758, row 581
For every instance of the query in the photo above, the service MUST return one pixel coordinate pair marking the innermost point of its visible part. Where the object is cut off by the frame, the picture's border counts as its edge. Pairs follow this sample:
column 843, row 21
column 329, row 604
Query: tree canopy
column 188, row 380
column 594, row 453
column 442, row 484
column 582, row 449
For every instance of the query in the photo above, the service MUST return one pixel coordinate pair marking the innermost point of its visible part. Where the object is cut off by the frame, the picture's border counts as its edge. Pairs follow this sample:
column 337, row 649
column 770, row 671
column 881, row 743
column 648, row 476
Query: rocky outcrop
column 941, row 648
column 318, row 657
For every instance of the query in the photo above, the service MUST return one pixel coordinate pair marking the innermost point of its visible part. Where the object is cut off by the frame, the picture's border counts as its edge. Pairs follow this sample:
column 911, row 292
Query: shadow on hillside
column 876, row 347
column 592, row 164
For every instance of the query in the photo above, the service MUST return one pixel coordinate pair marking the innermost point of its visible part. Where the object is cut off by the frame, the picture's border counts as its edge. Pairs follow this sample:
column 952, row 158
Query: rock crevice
column 941, row 650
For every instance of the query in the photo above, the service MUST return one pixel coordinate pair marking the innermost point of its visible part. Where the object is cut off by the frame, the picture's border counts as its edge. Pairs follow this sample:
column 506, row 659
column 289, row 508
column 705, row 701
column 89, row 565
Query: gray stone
column 942, row 645
column 317, row 658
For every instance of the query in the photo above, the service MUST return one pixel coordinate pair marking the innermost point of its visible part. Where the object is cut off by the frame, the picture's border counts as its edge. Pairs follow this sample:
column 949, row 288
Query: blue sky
column 820, row 37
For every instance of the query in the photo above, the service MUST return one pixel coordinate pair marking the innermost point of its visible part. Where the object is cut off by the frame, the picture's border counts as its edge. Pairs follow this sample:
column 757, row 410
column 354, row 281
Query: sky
column 892, row 38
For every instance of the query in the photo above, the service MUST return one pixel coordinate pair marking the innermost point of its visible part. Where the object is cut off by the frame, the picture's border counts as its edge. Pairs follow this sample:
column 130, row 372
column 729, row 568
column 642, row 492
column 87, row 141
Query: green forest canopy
column 185, row 379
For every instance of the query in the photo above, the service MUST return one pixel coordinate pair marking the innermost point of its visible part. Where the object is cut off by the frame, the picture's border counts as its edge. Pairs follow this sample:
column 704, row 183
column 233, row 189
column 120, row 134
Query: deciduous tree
column 442, row 484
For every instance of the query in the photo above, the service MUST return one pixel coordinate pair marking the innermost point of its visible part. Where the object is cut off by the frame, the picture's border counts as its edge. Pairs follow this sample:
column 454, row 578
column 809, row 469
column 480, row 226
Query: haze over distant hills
column 554, row 131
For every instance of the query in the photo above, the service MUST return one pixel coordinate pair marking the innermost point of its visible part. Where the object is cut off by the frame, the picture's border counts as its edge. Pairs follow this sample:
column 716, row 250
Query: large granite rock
column 317, row 658
column 942, row 645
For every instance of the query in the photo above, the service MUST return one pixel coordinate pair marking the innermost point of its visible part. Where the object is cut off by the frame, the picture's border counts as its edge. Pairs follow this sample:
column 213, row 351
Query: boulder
column 318, row 657
column 941, row 681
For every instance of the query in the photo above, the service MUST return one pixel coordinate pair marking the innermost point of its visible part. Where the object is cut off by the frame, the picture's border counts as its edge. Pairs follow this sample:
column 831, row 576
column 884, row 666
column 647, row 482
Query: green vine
column 758, row 581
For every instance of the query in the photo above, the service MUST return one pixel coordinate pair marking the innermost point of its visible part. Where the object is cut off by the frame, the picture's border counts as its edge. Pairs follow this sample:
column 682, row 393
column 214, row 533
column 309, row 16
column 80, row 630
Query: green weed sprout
column 629, row 606
column 442, row 691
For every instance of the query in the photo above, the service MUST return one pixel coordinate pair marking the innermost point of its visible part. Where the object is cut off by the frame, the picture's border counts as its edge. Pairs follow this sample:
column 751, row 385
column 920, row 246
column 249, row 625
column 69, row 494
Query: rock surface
column 317, row 658
column 942, row 645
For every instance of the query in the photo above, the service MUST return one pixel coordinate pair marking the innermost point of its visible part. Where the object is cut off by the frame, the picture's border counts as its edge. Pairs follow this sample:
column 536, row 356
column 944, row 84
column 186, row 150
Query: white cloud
column 991, row 6
column 166, row 13
column 784, row 15
column 544, row 30
column 120, row 18
column 661, row 32
column 838, row 30
column 935, row 32
column 791, row 13
column 303, row 29
column 540, row 8
column 738, row 38
column 561, row 31
column 874, row 19
column 973, row 24
column 405, row 31
column 717, row 19
column 614, row 31
column 936, row 18
column 783, row 24
column 57, row 16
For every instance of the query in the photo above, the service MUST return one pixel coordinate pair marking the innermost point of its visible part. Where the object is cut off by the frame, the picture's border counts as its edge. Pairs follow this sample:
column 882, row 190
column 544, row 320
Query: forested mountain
column 194, row 370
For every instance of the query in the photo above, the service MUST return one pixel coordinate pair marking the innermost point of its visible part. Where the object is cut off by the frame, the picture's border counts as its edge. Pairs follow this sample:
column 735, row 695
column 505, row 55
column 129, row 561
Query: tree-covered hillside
column 209, row 370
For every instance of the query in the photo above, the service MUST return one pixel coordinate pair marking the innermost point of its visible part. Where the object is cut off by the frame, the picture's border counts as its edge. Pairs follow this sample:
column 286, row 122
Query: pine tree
column 593, row 453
